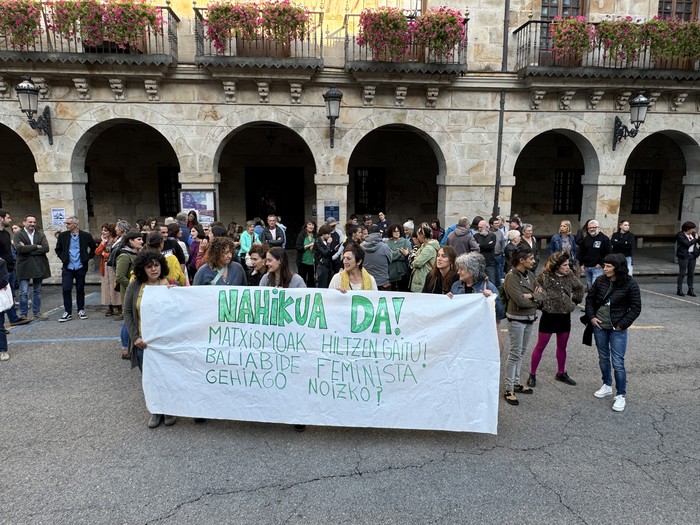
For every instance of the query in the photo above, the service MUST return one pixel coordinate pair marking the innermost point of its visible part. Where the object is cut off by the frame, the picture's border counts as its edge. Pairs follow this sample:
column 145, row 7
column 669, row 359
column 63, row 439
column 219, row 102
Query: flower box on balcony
column 265, row 29
column 20, row 22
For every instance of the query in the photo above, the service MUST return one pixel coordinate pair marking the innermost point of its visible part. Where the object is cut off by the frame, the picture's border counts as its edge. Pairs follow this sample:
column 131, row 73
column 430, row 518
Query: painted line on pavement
column 669, row 296
column 648, row 327
column 14, row 341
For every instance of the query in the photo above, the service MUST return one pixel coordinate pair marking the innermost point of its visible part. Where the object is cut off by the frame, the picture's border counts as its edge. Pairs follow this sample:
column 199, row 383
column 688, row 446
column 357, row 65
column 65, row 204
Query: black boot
column 680, row 292
column 691, row 293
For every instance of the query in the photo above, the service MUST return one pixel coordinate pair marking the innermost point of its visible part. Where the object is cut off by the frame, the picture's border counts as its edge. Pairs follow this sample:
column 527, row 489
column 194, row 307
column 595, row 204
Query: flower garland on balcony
column 572, row 36
column 279, row 21
column 621, row 37
column 440, row 30
column 386, row 32
column 20, row 21
column 122, row 22
column 672, row 38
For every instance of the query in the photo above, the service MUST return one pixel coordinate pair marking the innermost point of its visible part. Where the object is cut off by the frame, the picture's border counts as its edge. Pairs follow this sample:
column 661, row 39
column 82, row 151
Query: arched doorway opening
column 394, row 169
column 132, row 174
column 548, row 187
column 267, row 168
column 652, row 197
column 19, row 194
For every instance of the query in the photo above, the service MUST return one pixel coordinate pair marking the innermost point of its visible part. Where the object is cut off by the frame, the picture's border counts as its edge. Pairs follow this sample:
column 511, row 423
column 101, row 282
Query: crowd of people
column 491, row 256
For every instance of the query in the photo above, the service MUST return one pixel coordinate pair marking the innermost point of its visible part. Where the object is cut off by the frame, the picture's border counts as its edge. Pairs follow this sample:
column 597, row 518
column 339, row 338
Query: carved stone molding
column 118, row 85
column 230, row 91
column 431, row 97
column 295, row 89
column 536, row 97
column 5, row 89
column 593, row 99
column 621, row 99
column 565, row 100
column 82, row 86
column 677, row 100
column 152, row 90
column 368, row 95
column 263, row 91
column 653, row 97
column 44, row 88
column 400, row 96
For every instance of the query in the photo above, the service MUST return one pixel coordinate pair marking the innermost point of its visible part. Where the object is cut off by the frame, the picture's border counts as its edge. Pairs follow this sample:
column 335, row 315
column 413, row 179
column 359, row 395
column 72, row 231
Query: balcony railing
column 417, row 58
column 535, row 54
column 262, row 50
column 154, row 46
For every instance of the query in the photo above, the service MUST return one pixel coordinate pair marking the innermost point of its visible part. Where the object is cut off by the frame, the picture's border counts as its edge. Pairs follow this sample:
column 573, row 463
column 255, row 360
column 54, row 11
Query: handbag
column 7, row 301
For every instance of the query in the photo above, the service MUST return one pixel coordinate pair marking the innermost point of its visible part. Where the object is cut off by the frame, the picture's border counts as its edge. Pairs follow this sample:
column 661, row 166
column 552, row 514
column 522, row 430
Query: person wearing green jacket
column 424, row 259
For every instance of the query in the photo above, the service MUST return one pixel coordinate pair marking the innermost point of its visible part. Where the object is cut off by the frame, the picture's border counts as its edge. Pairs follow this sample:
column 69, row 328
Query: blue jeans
column 3, row 335
column 500, row 266
column 592, row 273
column 67, row 278
column 24, row 296
column 124, row 337
column 611, row 356
column 12, row 312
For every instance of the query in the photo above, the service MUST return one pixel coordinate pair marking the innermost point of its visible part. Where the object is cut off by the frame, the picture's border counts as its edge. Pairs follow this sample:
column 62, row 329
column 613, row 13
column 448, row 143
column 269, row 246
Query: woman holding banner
column 353, row 276
column 471, row 269
column 150, row 269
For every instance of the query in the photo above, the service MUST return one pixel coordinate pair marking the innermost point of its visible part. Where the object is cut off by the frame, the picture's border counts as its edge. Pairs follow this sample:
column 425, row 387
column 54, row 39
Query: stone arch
column 37, row 142
column 416, row 121
column 575, row 129
column 226, row 128
column 83, row 131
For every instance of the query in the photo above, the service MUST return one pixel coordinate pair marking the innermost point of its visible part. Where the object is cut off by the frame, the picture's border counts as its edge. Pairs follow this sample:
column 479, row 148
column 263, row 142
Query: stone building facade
column 495, row 129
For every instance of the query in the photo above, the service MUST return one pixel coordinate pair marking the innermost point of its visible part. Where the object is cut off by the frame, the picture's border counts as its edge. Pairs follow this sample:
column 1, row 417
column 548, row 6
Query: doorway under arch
column 394, row 169
column 19, row 194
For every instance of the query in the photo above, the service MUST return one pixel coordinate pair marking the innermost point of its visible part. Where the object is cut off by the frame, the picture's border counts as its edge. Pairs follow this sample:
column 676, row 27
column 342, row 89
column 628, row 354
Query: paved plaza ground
column 74, row 446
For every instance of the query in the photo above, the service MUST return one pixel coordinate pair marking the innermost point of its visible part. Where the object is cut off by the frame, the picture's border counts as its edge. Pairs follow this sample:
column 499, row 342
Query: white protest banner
column 321, row 357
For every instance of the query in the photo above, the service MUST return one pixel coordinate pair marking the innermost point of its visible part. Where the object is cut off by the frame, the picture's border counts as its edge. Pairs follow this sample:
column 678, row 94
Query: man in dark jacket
column 32, row 265
column 592, row 250
column 7, row 256
column 461, row 240
column 75, row 248
column 273, row 235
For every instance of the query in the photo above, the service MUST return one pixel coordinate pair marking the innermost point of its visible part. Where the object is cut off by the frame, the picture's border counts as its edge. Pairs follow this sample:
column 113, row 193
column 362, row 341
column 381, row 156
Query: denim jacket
column 458, row 288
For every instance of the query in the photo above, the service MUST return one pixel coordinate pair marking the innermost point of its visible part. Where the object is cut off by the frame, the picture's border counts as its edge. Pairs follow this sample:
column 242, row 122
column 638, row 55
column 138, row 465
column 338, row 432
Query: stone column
column 61, row 190
column 332, row 187
column 202, row 182
column 602, row 203
column 465, row 200
column 690, row 210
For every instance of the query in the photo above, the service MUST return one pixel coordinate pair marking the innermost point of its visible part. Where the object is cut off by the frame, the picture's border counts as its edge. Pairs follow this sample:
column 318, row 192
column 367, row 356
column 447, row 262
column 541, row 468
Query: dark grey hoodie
column 377, row 258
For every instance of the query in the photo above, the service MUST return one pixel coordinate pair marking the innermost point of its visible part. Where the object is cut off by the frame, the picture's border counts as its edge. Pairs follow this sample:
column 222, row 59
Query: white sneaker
column 603, row 391
column 65, row 317
column 619, row 404
column 4, row 356
column 82, row 314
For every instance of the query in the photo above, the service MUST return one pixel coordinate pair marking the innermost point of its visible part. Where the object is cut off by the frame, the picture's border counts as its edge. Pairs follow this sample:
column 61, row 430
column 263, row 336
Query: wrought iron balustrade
column 534, row 50
column 150, row 46
column 262, row 47
column 416, row 58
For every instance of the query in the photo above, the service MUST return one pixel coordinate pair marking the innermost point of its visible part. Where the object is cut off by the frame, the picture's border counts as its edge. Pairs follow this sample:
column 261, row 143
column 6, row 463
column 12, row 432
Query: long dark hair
column 452, row 272
column 145, row 257
column 285, row 272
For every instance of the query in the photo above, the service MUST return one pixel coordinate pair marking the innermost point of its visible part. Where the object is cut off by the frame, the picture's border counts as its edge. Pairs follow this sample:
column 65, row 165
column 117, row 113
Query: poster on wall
column 200, row 201
column 331, row 209
column 58, row 216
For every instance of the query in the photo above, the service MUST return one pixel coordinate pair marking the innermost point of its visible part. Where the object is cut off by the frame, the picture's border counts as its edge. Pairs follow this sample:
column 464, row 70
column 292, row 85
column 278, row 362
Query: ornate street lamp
column 28, row 95
column 638, row 113
column 333, row 97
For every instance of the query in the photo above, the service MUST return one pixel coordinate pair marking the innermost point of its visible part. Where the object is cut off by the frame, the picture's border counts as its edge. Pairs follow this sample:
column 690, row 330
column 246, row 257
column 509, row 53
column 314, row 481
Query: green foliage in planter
column 571, row 36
